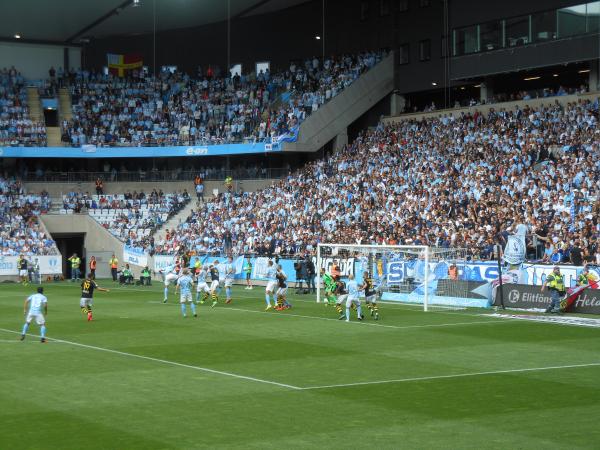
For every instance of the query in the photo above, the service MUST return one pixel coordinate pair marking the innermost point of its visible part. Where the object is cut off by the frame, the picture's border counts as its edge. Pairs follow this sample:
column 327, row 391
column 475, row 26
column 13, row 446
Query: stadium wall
column 97, row 240
column 34, row 60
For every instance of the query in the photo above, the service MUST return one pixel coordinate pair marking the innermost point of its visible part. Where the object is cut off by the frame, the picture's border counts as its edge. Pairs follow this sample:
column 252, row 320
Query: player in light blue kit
column 353, row 297
column 185, row 283
column 33, row 307
column 170, row 275
column 229, row 274
column 271, row 284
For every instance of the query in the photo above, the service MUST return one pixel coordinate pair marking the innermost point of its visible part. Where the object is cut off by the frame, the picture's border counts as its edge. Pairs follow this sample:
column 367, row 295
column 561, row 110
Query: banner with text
column 531, row 297
column 49, row 265
column 135, row 256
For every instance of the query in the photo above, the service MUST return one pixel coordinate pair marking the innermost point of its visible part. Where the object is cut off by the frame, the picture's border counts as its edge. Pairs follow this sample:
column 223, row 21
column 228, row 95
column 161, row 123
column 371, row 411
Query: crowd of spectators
column 311, row 84
column 16, row 127
column 20, row 230
column 502, row 97
column 132, row 217
column 446, row 182
column 173, row 108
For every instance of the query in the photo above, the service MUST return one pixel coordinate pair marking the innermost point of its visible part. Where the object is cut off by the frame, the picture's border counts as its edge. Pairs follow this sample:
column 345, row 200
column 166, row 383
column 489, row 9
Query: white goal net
column 412, row 274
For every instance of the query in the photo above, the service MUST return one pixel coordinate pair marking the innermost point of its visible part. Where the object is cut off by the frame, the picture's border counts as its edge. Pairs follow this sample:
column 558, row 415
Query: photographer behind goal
column 301, row 275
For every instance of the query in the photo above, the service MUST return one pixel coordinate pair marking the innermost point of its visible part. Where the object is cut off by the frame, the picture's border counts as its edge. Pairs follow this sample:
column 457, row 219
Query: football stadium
column 299, row 224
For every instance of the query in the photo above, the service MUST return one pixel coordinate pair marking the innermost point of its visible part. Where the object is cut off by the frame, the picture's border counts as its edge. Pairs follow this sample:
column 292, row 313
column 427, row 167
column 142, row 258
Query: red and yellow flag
column 119, row 64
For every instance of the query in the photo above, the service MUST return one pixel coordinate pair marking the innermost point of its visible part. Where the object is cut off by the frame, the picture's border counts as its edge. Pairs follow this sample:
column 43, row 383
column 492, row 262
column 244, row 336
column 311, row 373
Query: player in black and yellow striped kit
column 214, row 285
column 370, row 295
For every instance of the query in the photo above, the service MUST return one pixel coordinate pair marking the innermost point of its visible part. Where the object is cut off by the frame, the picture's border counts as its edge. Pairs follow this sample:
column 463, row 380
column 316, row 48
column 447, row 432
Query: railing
column 156, row 175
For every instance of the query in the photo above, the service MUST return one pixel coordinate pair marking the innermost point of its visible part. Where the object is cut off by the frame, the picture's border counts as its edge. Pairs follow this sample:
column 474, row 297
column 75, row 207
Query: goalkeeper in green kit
column 330, row 285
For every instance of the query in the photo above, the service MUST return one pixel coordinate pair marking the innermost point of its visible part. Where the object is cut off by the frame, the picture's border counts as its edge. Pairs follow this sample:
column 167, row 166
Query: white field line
column 458, row 375
column 164, row 361
column 355, row 322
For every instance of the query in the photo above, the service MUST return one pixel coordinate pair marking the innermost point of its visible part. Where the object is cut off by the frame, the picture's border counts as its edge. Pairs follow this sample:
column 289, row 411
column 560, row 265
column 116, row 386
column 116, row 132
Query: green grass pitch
column 142, row 377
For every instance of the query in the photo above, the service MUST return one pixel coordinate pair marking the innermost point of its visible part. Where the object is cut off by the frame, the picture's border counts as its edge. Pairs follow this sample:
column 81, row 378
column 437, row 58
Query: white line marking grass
column 458, row 375
column 163, row 361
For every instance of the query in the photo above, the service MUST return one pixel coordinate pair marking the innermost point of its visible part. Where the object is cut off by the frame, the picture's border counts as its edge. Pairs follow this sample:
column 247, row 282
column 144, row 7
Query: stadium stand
column 174, row 108
column 16, row 127
column 130, row 217
column 20, row 230
column 447, row 182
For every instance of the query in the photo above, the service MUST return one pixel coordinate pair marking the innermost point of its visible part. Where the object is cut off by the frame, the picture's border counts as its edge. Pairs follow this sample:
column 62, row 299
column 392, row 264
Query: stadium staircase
column 34, row 104
column 64, row 104
column 174, row 221
column 53, row 136
column 331, row 120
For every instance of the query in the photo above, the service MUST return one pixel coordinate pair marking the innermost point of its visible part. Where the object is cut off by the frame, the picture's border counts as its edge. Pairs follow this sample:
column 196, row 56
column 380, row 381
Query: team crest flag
column 120, row 64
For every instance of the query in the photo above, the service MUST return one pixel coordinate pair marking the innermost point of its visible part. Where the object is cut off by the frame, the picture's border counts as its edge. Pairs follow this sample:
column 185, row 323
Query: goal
column 410, row 274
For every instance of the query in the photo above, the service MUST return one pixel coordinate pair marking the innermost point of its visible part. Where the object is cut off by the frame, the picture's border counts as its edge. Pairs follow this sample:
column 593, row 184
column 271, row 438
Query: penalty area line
column 164, row 361
column 443, row 377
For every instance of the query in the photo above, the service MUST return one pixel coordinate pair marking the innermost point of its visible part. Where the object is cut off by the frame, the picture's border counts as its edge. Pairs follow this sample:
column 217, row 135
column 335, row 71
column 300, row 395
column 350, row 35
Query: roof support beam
column 99, row 20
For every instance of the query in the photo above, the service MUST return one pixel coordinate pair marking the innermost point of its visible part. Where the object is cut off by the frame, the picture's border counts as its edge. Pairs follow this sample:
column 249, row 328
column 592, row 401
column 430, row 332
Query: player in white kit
column 229, row 274
column 36, row 307
column 186, row 283
column 170, row 274
column 271, row 283
column 353, row 298
column 201, row 285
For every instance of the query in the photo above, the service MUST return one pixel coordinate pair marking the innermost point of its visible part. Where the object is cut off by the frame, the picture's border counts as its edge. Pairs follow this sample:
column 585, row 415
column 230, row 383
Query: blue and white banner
column 290, row 136
column 161, row 262
column 514, row 252
column 135, row 256
column 49, row 265
column 91, row 151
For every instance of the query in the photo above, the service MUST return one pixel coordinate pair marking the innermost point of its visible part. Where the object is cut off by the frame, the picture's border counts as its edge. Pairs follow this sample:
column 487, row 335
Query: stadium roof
column 70, row 21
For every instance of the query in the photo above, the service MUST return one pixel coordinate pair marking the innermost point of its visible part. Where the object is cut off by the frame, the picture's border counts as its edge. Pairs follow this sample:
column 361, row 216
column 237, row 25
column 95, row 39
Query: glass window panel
column 543, row 26
column 262, row 66
column 571, row 21
column 466, row 41
column 517, row 31
column 491, row 35
column 593, row 17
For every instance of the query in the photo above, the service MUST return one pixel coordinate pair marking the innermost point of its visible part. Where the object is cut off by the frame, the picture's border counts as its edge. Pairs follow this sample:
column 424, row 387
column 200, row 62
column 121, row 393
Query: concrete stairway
column 65, row 107
column 53, row 136
column 34, row 104
column 178, row 218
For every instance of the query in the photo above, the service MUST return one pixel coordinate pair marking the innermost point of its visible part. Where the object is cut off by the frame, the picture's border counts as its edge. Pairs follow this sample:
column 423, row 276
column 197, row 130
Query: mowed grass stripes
column 152, row 395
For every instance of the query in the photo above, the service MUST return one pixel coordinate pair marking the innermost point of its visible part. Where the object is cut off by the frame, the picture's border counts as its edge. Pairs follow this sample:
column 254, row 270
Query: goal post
column 413, row 274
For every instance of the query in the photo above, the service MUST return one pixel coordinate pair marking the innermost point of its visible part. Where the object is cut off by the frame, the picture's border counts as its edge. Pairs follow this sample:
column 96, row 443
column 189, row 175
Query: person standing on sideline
column 555, row 282
column 93, row 267
column 34, row 304
column 75, row 263
column 114, row 266
column 310, row 273
column 248, row 272
column 87, row 296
